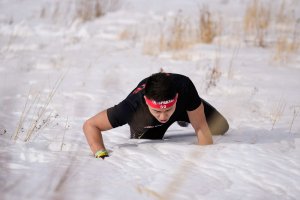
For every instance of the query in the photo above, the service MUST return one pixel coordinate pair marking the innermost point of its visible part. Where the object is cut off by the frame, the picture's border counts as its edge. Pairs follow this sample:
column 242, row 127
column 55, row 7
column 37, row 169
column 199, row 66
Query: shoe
column 183, row 123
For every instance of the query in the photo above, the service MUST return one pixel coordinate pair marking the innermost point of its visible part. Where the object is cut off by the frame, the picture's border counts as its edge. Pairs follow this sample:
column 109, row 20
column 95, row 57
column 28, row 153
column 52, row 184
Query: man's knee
column 218, row 124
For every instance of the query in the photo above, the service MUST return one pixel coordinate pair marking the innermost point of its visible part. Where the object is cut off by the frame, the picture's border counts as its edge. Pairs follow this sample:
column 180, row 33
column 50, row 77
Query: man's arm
column 198, row 121
column 93, row 128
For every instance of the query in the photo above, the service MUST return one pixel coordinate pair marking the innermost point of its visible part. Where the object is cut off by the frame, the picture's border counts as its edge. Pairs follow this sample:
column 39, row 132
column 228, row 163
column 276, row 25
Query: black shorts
column 217, row 124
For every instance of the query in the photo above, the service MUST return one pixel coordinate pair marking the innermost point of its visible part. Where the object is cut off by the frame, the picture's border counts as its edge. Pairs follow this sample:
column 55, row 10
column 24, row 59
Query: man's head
column 161, row 96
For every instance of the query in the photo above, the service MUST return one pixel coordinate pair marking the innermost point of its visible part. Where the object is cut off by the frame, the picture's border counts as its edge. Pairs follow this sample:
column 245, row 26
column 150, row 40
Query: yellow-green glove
column 101, row 154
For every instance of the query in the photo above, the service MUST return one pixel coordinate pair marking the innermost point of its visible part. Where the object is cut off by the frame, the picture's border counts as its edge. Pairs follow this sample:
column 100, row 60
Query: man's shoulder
column 135, row 98
column 181, row 80
column 179, row 76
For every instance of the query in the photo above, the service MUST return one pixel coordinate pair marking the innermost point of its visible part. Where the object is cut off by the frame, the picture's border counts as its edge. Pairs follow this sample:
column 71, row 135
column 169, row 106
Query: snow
column 257, row 159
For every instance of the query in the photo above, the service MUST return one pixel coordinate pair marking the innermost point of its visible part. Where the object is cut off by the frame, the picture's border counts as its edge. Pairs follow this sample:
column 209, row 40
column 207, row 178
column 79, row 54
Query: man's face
column 164, row 114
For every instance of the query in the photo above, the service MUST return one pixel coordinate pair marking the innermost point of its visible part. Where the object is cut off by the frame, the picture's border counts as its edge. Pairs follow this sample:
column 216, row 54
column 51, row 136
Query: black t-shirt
column 134, row 111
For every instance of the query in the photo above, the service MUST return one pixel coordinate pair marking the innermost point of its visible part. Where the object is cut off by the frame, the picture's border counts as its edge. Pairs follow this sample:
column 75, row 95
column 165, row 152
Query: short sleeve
column 120, row 114
column 193, row 99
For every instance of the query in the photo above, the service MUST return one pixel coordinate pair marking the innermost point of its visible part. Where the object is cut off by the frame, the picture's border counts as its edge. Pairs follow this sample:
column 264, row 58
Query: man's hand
column 101, row 154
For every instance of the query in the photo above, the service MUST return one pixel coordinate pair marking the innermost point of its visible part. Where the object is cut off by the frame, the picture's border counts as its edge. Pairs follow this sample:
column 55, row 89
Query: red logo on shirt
column 139, row 89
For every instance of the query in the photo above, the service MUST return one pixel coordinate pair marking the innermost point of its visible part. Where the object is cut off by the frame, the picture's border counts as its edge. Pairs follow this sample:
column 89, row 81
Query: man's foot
column 183, row 123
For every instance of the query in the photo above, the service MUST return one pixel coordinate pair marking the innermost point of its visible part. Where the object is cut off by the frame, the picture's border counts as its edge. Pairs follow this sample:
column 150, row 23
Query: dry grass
column 35, row 115
column 213, row 77
column 284, row 48
column 281, row 16
column 296, row 110
column 234, row 56
column 154, row 45
column 174, row 37
column 12, row 38
column 179, row 34
column 287, row 42
column 92, row 9
column 260, row 27
column 283, row 24
column 130, row 33
column 183, row 33
column 182, row 55
column 63, row 138
column 215, row 73
column 277, row 112
column 79, row 10
column 208, row 29
column 257, row 20
column 149, row 48
column 89, row 10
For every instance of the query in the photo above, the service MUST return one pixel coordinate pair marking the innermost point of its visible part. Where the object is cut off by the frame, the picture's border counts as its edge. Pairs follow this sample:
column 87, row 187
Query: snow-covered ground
column 68, row 69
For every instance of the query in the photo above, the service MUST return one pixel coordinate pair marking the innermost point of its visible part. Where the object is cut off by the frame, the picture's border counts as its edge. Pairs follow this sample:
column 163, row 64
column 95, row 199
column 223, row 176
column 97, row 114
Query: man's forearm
column 94, row 138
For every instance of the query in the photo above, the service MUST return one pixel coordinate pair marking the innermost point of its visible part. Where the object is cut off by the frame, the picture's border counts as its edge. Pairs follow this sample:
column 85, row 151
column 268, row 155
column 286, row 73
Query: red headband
column 161, row 104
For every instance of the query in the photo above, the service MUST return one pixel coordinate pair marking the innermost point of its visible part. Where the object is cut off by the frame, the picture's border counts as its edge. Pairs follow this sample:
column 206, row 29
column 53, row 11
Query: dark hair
column 160, row 87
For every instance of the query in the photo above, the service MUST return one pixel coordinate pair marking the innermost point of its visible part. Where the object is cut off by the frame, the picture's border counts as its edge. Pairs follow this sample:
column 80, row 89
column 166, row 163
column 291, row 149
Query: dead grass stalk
column 207, row 29
column 296, row 110
column 42, row 110
column 65, row 130
column 277, row 112
column 285, row 47
column 257, row 21
column 182, row 33
column 233, row 56
column 36, row 112
column 215, row 73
